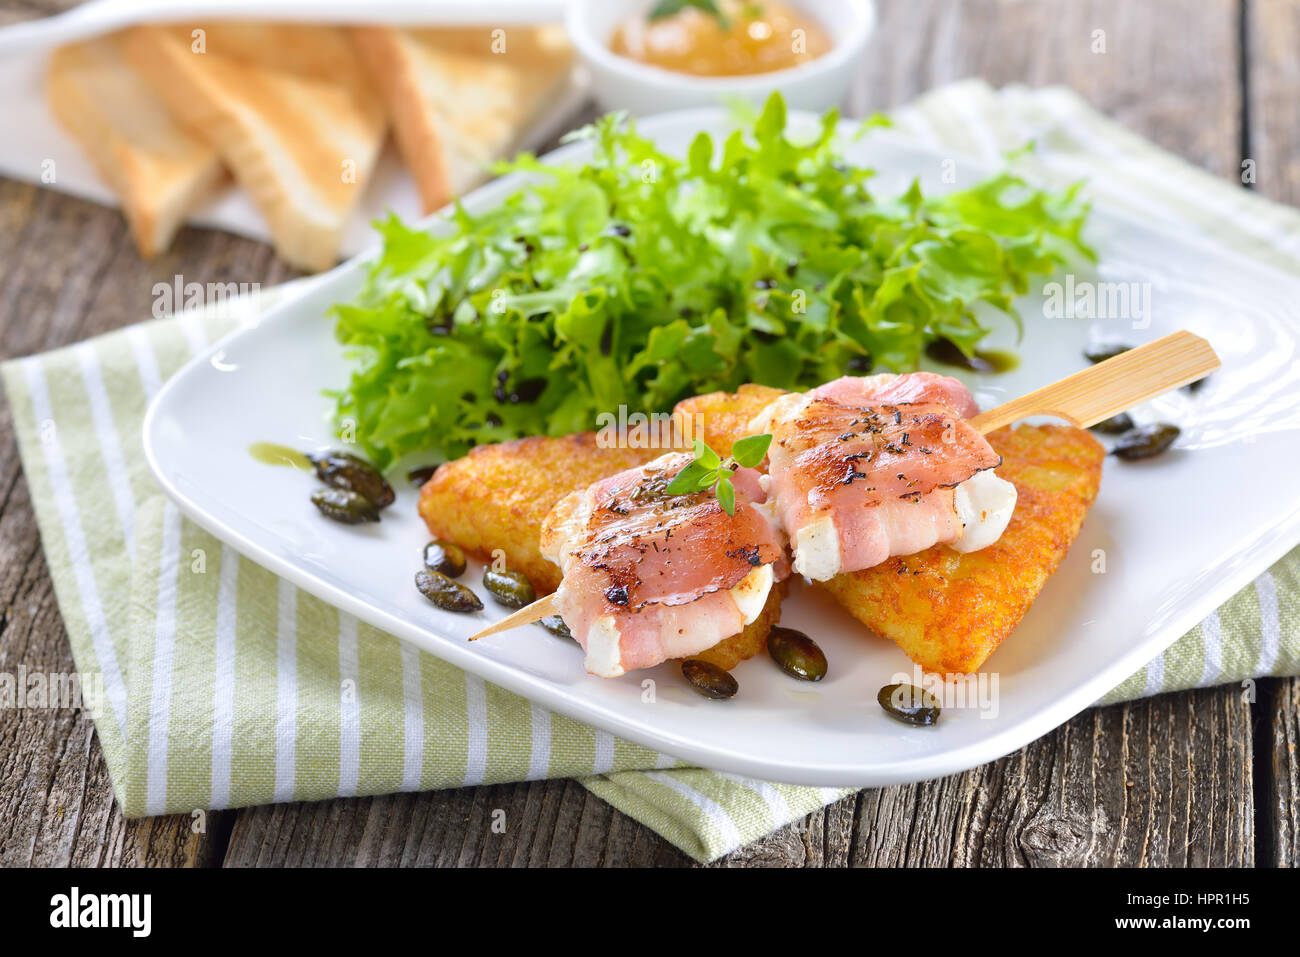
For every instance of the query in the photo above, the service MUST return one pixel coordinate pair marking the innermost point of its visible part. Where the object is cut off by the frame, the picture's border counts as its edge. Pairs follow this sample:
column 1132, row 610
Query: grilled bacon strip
column 649, row 576
column 866, row 468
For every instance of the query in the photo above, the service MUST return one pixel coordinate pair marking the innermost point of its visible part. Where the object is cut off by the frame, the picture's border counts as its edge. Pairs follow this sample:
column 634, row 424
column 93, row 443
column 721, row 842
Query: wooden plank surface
column 17, row 11
column 1272, row 38
column 68, row 271
column 1167, row 781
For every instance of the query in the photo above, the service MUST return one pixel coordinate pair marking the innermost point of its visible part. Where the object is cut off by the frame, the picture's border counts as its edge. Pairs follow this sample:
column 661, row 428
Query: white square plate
column 1180, row 533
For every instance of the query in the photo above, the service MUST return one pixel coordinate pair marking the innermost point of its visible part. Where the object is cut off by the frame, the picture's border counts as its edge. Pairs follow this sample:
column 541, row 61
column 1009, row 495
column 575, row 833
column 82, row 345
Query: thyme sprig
column 708, row 470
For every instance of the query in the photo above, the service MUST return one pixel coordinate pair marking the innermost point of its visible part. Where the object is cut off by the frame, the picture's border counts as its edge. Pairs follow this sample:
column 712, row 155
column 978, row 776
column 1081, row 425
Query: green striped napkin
column 225, row 686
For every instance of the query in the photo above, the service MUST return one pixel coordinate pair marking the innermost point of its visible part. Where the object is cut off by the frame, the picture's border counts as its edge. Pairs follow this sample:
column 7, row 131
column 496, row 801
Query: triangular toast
column 157, row 168
column 290, row 110
column 462, row 98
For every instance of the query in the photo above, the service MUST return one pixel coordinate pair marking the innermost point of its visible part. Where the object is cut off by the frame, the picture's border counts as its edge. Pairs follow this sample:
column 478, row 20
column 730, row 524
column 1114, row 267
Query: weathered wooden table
column 1197, row 778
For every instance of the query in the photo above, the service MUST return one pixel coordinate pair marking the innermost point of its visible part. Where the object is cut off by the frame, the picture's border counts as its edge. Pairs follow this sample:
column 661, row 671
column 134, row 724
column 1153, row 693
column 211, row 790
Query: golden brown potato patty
column 497, row 496
column 946, row 610
column 950, row 611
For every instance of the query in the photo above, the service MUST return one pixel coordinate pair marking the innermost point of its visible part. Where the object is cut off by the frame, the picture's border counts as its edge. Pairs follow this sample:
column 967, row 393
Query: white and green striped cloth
column 227, row 687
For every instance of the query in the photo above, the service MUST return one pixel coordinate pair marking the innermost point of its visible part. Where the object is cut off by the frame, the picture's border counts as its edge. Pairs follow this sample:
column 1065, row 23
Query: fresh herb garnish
column 668, row 8
column 639, row 278
column 708, row 470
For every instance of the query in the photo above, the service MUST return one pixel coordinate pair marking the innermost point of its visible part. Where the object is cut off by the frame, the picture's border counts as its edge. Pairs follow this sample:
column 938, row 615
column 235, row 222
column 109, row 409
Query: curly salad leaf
column 640, row 278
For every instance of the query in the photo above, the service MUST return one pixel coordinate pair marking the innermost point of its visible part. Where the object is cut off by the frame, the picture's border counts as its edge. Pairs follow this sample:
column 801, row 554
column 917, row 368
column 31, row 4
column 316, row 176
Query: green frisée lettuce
column 639, row 278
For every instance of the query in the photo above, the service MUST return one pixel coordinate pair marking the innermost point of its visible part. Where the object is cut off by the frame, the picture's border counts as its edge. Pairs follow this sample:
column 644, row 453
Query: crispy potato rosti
column 720, row 418
column 730, row 652
column 950, row 611
column 946, row 610
column 496, row 497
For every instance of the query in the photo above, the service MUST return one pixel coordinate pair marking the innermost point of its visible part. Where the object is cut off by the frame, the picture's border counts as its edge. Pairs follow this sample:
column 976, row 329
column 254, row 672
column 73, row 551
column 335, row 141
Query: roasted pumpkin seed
column 346, row 471
column 419, row 476
column 1145, row 441
column 556, row 626
column 1114, row 425
column 796, row 653
column 446, row 594
column 344, row 506
column 909, row 704
column 511, row 589
column 444, row 557
column 709, row 680
column 1101, row 351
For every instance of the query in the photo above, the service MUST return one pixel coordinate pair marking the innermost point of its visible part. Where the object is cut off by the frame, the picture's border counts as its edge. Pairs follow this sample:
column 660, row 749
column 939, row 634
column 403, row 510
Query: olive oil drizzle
column 269, row 453
column 984, row 361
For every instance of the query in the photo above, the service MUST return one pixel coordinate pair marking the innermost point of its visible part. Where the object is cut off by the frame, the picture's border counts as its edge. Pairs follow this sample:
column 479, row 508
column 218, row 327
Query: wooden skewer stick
column 1111, row 387
column 524, row 616
column 1082, row 399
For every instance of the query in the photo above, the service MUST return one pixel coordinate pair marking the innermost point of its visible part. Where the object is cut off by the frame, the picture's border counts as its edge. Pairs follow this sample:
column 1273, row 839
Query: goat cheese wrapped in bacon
column 866, row 468
column 650, row 576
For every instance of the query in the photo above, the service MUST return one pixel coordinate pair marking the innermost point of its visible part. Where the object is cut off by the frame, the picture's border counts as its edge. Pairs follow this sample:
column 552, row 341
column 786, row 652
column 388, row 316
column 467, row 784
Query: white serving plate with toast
column 1179, row 534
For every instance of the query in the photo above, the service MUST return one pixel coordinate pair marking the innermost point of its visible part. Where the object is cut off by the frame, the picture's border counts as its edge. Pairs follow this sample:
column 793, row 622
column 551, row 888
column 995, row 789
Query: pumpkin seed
column 444, row 557
column 709, row 680
column 556, row 626
column 859, row 365
column 509, row 588
column 344, row 506
column 1114, row 425
column 909, row 704
column 796, row 653
column 446, row 594
column 418, row 476
column 1101, row 351
column 346, row 471
column 1145, row 441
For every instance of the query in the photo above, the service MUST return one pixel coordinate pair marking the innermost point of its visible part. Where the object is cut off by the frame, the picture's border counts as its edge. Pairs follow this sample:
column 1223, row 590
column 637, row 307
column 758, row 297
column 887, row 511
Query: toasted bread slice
column 950, row 611
column 290, row 110
column 461, row 98
column 158, row 170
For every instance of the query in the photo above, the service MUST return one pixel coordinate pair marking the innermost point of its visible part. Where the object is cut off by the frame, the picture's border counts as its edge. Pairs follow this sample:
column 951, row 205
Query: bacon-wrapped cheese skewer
column 819, row 452
column 650, row 576
column 863, row 469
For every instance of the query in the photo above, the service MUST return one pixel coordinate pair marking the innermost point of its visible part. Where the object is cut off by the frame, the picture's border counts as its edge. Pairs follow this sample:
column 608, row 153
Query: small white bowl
column 623, row 84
